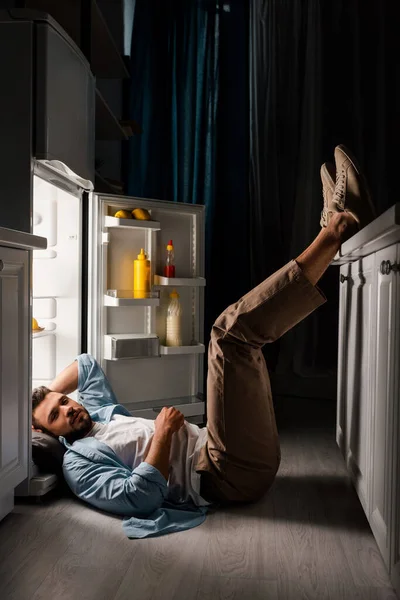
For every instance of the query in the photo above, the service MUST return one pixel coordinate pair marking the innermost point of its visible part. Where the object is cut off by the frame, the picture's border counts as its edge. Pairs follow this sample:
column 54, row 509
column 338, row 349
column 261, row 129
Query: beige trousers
column 242, row 454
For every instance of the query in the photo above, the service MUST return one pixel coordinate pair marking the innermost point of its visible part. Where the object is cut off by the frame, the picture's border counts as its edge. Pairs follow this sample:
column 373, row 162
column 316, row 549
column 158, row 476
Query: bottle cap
column 174, row 294
column 142, row 255
column 170, row 245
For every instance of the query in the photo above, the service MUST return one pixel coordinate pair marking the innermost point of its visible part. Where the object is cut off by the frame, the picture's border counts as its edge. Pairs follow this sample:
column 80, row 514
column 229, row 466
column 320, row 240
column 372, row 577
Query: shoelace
column 324, row 217
column 324, row 197
column 340, row 188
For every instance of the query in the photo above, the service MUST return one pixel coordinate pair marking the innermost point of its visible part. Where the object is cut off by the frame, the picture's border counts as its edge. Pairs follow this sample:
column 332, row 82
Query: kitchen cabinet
column 14, row 361
column 368, row 418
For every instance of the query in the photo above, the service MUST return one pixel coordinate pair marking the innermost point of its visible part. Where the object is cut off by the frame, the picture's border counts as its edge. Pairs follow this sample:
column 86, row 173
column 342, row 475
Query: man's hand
column 169, row 421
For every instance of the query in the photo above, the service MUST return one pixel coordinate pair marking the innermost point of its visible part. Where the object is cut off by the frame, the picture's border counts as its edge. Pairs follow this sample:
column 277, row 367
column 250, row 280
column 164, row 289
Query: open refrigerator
column 82, row 288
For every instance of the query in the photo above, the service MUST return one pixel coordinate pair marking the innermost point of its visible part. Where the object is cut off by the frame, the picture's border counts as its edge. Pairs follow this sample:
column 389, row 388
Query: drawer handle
column 343, row 278
column 1, row 265
column 386, row 267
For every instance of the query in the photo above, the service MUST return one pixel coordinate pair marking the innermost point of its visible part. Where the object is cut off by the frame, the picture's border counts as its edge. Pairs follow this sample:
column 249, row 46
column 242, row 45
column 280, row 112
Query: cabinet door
column 344, row 313
column 384, row 396
column 14, row 367
column 394, row 533
column 356, row 343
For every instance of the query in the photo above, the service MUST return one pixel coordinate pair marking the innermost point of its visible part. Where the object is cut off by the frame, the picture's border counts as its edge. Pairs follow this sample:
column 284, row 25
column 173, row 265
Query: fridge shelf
column 38, row 334
column 131, row 223
column 159, row 280
column 190, row 406
column 179, row 350
column 126, row 298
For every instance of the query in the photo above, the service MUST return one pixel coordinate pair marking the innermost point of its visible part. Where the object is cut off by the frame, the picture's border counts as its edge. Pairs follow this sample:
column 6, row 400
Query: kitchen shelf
column 159, row 280
column 106, row 60
column 131, row 127
column 179, row 350
column 107, row 125
column 131, row 223
column 125, row 298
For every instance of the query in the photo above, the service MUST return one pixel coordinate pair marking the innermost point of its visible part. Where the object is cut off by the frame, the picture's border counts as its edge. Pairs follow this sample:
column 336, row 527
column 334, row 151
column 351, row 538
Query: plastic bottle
column 174, row 315
column 141, row 275
column 169, row 268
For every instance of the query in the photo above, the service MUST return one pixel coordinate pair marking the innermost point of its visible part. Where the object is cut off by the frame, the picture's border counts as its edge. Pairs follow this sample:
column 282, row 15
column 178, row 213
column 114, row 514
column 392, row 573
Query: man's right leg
column 242, row 454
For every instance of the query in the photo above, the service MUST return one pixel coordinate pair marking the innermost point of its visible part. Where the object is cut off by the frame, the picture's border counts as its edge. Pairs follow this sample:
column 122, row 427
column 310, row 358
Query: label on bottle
column 169, row 271
column 174, row 331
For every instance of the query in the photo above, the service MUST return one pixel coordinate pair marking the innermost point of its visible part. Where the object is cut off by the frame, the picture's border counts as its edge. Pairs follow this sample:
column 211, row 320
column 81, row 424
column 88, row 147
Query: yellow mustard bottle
column 141, row 275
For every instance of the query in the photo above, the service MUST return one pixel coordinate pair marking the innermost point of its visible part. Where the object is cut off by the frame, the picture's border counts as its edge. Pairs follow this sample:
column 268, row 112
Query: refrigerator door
column 127, row 334
column 57, row 272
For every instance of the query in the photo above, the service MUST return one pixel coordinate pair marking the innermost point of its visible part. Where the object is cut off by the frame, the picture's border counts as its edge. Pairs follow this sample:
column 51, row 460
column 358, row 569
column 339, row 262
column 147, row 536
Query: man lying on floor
column 119, row 463
column 162, row 474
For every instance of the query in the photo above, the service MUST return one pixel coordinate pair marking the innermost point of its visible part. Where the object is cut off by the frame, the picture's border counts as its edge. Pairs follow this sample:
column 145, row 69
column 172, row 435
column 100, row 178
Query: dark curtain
column 189, row 92
column 321, row 73
column 174, row 96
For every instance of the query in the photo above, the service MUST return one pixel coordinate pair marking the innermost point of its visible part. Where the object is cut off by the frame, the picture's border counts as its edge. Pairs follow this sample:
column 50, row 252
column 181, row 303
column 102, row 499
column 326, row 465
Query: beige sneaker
column 351, row 189
column 328, row 176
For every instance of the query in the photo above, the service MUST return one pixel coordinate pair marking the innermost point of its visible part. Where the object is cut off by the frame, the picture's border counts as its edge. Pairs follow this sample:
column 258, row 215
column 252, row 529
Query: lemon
column 141, row 214
column 123, row 214
column 35, row 325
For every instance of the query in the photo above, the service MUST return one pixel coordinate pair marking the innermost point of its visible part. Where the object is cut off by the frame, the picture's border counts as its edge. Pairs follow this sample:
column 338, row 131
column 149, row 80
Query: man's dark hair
column 38, row 395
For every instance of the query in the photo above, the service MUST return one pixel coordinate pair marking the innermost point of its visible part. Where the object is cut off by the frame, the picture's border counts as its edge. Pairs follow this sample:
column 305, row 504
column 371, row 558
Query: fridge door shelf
column 189, row 406
column 126, row 298
column 131, row 223
column 39, row 334
column 159, row 281
column 119, row 346
column 178, row 350
column 45, row 254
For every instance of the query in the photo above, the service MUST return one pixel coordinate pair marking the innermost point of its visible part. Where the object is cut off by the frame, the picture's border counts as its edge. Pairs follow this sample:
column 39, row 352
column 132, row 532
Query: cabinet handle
column 343, row 278
column 1, row 265
column 386, row 267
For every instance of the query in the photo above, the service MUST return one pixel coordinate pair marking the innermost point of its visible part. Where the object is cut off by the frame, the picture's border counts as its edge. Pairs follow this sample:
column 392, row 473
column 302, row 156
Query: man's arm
column 167, row 423
column 67, row 381
column 115, row 488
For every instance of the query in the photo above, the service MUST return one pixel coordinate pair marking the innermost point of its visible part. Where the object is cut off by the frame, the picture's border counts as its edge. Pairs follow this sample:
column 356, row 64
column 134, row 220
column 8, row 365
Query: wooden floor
column 308, row 539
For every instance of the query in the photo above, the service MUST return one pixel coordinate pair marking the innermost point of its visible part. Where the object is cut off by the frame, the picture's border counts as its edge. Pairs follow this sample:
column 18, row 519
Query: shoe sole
column 357, row 167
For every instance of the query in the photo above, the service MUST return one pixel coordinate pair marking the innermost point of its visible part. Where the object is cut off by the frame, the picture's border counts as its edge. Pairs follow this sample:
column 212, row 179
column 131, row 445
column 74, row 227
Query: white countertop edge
column 20, row 239
column 383, row 231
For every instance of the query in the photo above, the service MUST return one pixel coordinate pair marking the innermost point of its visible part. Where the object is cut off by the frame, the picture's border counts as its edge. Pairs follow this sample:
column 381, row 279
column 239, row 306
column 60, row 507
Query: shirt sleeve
column 136, row 493
column 93, row 386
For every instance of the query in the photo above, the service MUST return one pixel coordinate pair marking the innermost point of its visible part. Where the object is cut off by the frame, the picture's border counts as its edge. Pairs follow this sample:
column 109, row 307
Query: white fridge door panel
column 56, row 280
column 143, row 383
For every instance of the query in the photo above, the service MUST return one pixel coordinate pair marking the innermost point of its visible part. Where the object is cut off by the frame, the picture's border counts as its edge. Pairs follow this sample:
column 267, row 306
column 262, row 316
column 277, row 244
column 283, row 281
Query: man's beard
column 83, row 427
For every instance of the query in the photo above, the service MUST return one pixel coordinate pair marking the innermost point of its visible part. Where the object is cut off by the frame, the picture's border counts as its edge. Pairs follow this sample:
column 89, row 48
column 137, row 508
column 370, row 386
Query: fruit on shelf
column 141, row 214
column 123, row 214
column 35, row 326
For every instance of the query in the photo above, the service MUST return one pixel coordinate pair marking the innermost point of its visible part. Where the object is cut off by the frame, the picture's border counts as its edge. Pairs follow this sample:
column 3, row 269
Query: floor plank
column 224, row 588
column 241, row 542
column 307, row 539
column 166, row 567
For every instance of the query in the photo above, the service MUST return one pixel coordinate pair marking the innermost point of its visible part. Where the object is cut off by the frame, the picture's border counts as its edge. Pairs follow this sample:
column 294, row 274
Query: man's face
column 63, row 416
